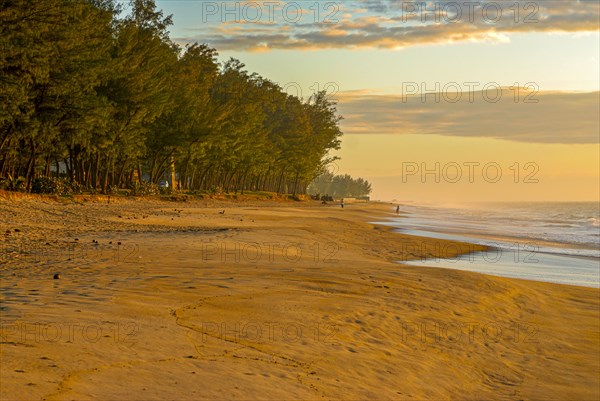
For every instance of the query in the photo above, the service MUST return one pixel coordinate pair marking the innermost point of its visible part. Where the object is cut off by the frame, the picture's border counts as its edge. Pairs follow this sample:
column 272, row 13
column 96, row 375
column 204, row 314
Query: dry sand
column 270, row 301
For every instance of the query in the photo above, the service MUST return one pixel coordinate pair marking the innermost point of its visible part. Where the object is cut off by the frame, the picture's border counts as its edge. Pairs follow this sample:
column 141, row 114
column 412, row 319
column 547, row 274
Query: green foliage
column 339, row 186
column 111, row 100
column 56, row 186
column 144, row 188
column 47, row 185
column 12, row 184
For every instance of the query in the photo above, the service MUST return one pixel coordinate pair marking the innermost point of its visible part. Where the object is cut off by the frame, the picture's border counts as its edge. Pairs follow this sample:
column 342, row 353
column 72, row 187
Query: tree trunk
column 139, row 167
column 47, row 168
column 295, row 184
column 3, row 162
column 30, row 165
column 106, row 175
column 280, row 180
column 121, row 171
column 95, row 171
column 6, row 138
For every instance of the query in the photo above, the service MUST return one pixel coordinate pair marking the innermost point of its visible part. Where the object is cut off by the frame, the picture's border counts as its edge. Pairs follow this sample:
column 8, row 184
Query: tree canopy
column 105, row 100
column 340, row 186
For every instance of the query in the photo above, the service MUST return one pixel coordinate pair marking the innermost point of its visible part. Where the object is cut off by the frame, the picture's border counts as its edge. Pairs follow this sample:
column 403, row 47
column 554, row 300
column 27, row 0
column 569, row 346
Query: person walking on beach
column 398, row 209
column 342, row 203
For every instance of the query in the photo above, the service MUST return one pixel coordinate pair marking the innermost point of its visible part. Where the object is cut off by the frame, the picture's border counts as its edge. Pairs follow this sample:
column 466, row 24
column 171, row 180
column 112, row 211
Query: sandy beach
column 249, row 300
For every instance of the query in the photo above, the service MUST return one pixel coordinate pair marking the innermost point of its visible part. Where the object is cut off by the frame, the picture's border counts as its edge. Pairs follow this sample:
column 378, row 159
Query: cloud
column 390, row 23
column 556, row 117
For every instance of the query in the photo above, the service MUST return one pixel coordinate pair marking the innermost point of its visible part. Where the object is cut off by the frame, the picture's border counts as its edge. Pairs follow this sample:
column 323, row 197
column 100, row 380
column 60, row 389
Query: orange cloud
column 393, row 24
column 544, row 117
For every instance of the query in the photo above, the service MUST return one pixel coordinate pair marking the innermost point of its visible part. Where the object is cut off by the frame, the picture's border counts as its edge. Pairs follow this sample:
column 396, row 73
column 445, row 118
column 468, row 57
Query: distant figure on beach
column 342, row 203
column 398, row 209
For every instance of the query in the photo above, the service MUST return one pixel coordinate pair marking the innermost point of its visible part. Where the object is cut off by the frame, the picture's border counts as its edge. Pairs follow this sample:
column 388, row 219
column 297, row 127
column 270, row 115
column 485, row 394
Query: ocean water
column 545, row 241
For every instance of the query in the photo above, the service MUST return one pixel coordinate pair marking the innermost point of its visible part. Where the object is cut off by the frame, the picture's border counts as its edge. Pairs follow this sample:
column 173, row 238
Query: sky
column 443, row 101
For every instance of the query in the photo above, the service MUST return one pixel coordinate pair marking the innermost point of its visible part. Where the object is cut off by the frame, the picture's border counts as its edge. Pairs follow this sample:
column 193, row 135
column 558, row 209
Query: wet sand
column 289, row 300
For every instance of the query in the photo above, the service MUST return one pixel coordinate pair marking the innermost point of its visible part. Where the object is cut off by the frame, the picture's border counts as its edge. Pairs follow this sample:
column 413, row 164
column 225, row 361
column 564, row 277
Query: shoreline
column 512, row 257
column 186, row 309
column 503, row 239
column 538, row 270
column 418, row 222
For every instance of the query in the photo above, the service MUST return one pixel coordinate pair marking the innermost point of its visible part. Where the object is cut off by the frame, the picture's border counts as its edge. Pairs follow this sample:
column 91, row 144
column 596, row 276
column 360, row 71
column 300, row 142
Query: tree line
column 108, row 98
column 339, row 186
